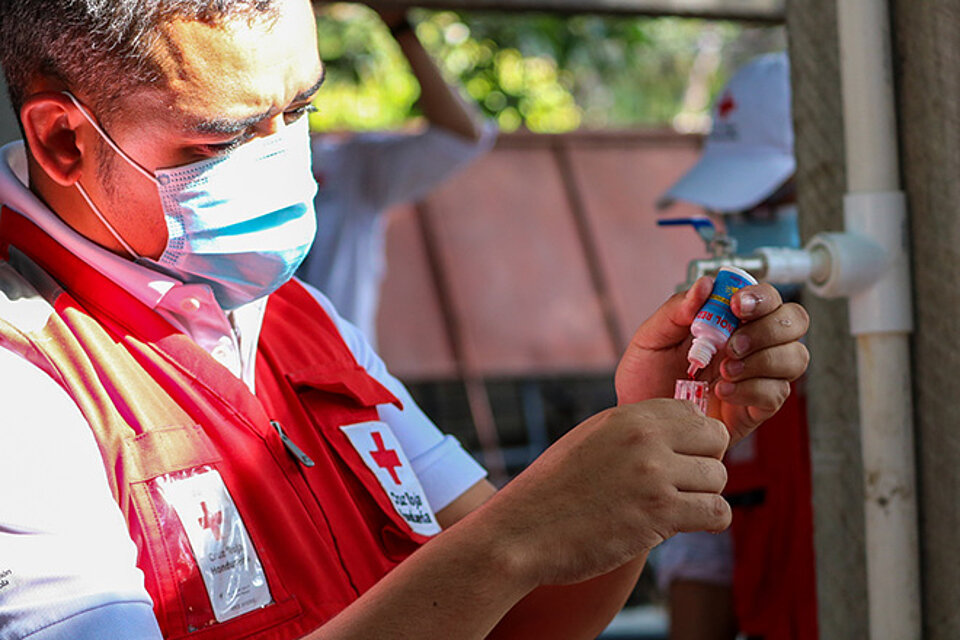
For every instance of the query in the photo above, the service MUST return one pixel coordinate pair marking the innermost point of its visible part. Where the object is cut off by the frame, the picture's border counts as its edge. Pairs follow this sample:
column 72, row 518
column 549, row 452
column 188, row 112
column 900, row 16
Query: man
column 193, row 442
column 362, row 176
column 758, row 580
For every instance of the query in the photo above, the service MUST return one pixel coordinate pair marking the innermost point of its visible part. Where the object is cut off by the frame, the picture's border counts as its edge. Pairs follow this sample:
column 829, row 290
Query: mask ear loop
column 103, row 134
column 103, row 220
column 83, row 192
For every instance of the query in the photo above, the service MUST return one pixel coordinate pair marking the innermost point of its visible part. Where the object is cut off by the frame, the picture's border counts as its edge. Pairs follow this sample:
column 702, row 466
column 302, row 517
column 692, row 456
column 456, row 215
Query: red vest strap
column 84, row 283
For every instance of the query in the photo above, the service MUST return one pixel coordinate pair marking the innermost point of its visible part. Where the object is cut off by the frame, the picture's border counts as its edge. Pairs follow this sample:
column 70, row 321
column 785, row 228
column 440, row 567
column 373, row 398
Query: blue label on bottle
column 717, row 310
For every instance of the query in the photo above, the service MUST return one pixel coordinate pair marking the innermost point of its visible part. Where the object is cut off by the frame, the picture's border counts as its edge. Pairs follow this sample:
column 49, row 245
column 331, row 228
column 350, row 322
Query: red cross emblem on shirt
column 385, row 458
column 211, row 522
column 727, row 105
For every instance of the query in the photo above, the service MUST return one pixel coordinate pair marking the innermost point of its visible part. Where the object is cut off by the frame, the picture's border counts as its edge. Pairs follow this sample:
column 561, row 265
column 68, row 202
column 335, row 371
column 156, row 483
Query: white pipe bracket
column 847, row 263
column 869, row 263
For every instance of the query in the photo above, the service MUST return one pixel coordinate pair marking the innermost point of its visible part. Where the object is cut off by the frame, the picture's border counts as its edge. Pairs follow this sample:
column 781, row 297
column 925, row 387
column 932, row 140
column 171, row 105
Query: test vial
column 695, row 391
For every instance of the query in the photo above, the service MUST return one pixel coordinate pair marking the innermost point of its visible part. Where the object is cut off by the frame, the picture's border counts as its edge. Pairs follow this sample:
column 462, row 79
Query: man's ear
column 50, row 123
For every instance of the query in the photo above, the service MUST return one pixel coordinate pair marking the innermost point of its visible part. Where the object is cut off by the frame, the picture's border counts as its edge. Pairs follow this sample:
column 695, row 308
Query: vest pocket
column 202, row 567
column 400, row 516
column 339, row 399
column 349, row 381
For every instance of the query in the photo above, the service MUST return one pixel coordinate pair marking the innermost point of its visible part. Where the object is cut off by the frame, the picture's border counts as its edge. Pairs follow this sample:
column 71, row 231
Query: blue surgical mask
column 240, row 223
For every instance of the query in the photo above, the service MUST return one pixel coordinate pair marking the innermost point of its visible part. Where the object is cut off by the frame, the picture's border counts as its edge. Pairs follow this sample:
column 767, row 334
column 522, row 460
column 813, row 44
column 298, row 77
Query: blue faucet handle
column 703, row 226
column 696, row 223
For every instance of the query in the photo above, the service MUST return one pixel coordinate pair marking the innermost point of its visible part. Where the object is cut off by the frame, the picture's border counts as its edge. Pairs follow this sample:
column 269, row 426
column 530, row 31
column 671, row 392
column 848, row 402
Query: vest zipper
column 291, row 446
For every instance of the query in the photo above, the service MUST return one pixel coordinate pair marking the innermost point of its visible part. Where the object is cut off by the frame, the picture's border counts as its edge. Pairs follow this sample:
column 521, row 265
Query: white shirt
column 67, row 564
column 696, row 557
column 361, row 177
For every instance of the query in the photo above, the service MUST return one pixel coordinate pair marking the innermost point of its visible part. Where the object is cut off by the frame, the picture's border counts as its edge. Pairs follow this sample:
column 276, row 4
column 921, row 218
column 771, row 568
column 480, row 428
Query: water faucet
column 832, row 265
column 721, row 247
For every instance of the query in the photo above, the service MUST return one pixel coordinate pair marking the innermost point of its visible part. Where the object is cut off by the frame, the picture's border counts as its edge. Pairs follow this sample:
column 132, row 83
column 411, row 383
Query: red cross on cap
column 385, row 458
column 727, row 105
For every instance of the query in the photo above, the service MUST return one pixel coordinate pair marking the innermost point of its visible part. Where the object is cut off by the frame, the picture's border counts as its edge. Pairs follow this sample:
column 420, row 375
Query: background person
column 758, row 577
column 363, row 175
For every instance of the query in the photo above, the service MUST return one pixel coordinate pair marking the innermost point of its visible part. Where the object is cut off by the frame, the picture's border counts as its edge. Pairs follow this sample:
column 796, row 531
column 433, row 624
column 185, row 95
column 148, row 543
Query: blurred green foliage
column 545, row 72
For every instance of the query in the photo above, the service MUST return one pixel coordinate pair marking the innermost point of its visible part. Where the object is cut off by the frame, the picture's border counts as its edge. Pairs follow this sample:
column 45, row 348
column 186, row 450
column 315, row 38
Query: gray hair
column 99, row 47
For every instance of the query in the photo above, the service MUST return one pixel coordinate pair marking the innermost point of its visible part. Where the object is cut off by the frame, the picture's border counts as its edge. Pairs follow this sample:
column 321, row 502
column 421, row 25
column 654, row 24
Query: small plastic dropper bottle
column 715, row 321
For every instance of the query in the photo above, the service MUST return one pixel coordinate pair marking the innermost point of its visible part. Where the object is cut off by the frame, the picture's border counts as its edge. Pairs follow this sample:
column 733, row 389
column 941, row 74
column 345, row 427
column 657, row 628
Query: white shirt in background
column 361, row 177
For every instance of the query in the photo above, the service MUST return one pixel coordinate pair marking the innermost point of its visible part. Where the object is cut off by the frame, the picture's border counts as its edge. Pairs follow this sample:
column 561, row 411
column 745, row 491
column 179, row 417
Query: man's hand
column 750, row 377
column 442, row 105
column 613, row 487
column 589, row 507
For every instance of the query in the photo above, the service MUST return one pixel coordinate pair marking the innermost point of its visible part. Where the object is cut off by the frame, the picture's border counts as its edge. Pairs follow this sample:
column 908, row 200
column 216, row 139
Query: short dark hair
column 100, row 47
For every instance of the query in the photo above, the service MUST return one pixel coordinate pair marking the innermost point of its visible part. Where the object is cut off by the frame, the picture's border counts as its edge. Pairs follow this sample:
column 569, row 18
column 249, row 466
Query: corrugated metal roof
column 541, row 258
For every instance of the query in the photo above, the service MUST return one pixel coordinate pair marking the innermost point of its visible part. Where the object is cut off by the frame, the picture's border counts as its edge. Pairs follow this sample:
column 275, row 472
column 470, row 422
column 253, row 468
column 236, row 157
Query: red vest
column 769, row 488
column 161, row 407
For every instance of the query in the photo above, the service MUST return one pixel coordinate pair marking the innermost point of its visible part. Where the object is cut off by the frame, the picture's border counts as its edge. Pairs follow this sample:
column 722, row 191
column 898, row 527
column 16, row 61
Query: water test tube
column 694, row 391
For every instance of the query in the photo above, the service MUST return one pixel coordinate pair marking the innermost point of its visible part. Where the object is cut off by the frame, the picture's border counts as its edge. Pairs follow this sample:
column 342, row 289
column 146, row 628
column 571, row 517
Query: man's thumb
column 670, row 324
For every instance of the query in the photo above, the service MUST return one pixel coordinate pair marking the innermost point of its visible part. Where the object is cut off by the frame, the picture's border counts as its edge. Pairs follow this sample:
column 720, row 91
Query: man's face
column 225, row 85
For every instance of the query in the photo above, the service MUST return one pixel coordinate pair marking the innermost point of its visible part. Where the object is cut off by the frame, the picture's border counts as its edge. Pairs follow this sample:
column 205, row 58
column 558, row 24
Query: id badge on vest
column 225, row 555
column 384, row 456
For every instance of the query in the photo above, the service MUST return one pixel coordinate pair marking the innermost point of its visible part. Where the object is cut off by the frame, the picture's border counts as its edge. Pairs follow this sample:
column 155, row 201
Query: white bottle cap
column 700, row 354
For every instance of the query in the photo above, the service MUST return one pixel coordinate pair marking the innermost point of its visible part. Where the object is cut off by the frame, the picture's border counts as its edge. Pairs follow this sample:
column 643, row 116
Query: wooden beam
column 747, row 10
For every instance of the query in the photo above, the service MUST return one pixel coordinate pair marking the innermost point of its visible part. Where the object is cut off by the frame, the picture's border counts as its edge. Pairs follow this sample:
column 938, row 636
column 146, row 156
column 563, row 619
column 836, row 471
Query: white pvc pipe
column 875, row 209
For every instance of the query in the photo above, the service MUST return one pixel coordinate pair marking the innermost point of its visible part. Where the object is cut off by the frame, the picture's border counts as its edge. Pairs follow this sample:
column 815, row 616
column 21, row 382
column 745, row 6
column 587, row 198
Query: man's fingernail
column 739, row 344
column 734, row 367
column 748, row 302
column 725, row 388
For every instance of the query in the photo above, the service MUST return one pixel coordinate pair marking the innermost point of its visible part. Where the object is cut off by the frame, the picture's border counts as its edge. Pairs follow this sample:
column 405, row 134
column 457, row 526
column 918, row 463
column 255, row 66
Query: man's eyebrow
column 230, row 126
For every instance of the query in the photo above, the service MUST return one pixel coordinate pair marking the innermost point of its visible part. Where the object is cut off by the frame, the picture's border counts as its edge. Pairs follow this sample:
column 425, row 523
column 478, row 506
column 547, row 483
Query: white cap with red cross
column 749, row 152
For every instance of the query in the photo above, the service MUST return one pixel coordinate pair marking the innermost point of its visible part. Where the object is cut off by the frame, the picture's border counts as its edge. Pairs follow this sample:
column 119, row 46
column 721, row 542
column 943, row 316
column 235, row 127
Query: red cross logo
column 385, row 458
column 211, row 522
column 727, row 105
